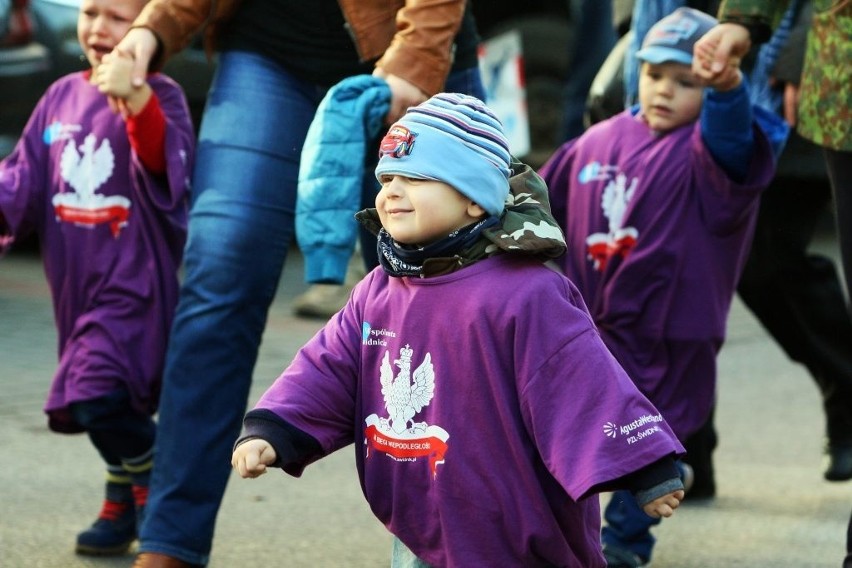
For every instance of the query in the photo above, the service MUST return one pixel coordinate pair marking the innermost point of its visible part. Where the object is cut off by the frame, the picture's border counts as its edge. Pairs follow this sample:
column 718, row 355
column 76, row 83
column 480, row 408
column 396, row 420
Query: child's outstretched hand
column 252, row 456
column 664, row 506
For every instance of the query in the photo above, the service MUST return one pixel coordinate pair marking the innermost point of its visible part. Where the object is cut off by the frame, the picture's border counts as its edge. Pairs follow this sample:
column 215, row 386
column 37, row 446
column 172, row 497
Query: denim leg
column 595, row 39
column 627, row 525
column 467, row 81
column 240, row 227
column 402, row 557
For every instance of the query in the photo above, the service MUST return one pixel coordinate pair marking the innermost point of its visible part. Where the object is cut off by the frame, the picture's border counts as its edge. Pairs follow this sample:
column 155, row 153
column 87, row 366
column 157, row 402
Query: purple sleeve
column 726, row 203
column 590, row 423
column 316, row 393
column 556, row 174
column 23, row 174
column 180, row 152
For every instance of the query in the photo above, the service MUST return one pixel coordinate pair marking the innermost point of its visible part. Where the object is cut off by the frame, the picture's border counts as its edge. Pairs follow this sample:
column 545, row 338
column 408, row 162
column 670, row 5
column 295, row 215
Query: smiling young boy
column 484, row 410
column 658, row 206
column 106, row 194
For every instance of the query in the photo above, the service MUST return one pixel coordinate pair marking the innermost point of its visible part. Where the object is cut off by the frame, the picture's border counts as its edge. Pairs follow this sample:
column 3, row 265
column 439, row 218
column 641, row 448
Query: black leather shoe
column 839, row 463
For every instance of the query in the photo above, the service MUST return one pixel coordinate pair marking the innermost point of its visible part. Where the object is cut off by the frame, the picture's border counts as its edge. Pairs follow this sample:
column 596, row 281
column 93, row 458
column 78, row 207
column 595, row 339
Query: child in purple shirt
column 485, row 412
column 105, row 192
column 658, row 206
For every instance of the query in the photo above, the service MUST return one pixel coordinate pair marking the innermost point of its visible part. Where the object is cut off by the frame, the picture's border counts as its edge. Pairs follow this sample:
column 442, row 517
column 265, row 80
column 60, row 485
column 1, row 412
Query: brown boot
column 157, row 560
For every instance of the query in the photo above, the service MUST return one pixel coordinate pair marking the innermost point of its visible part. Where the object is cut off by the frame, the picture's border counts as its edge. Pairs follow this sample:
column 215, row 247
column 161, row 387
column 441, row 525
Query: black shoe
column 839, row 462
column 617, row 557
column 112, row 533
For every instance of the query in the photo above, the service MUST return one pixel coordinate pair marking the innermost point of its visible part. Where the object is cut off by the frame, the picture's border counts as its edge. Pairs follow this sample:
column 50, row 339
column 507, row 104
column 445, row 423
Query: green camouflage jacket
column 826, row 86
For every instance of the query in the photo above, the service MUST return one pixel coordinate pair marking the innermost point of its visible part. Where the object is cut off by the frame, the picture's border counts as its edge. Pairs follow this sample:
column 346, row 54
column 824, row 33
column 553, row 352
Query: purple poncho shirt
column 657, row 235
column 111, row 237
column 484, row 409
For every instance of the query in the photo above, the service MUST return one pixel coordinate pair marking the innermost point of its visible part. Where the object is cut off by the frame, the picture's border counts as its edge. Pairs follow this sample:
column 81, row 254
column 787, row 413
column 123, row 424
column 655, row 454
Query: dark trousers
column 117, row 431
column 797, row 295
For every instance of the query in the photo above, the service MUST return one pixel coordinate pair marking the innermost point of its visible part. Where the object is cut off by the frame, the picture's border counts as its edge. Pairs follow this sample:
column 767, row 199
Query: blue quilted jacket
column 331, row 174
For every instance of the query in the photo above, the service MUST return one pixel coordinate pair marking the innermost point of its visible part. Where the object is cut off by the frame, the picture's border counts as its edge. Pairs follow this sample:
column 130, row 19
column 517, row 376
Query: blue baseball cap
column 673, row 37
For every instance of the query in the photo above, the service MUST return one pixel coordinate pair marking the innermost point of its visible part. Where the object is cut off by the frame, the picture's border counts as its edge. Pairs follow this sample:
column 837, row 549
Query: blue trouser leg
column 402, row 557
column 627, row 525
column 595, row 38
column 240, row 228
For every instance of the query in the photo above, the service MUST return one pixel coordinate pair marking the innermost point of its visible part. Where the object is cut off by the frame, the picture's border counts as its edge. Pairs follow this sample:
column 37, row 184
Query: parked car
column 24, row 63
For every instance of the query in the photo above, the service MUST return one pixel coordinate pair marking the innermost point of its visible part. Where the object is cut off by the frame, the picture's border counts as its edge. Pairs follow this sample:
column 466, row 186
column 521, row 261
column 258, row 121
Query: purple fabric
column 111, row 236
column 657, row 236
column 517, row 412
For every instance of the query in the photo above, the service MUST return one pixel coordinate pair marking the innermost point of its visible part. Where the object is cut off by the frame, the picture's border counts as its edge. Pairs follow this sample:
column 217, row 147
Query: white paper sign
column 501, row 67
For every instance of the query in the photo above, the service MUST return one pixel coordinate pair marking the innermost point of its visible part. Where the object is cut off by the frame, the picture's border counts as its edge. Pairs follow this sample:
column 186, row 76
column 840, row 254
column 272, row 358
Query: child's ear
column 475, row 210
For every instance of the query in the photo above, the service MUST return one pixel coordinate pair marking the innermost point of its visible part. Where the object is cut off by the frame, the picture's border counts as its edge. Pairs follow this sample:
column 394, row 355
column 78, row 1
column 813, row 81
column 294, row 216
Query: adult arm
column 163, row 28
column 418, row 60
column 742, row 22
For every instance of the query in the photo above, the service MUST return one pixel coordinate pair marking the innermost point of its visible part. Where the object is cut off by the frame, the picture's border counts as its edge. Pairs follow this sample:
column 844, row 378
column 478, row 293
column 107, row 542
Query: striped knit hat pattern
column 455, row 139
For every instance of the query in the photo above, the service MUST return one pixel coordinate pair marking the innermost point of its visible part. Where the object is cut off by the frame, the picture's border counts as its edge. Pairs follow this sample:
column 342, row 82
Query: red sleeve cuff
column 147, row 134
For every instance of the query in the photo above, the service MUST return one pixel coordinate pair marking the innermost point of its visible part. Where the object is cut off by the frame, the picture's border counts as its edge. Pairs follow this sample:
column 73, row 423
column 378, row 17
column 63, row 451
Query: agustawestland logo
column 56, row 132
column 646, row 425
column 370, row 336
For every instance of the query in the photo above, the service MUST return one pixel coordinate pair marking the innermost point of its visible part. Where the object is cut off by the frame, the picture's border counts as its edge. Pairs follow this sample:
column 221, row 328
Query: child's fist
column 252, row 456
column 664, row 506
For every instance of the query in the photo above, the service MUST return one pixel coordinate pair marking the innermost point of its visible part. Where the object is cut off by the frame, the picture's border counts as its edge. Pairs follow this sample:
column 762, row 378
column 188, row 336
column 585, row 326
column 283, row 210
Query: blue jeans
column 241, row 225
column 594, row 40
column 402, row 557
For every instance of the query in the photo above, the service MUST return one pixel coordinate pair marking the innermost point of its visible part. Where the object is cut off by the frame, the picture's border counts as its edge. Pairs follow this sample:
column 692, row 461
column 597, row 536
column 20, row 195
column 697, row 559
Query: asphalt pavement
column 772, row 510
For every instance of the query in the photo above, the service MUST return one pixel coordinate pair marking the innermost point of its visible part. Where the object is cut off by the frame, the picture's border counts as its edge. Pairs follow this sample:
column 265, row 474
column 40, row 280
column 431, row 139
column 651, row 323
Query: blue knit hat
column 673, row 37
column 455, row 139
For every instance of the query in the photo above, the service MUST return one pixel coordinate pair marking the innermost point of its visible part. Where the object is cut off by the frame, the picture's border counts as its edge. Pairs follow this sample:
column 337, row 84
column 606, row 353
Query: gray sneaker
column 321, row 300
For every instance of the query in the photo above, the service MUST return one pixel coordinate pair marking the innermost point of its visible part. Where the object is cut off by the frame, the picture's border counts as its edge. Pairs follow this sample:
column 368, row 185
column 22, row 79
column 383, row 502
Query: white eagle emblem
column 619, row 241
column 407, row 394
column 86, row 172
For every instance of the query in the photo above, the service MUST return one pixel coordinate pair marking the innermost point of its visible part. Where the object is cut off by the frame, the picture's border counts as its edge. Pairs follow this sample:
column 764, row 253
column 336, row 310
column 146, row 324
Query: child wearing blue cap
column 658, row 205
column 484, row 410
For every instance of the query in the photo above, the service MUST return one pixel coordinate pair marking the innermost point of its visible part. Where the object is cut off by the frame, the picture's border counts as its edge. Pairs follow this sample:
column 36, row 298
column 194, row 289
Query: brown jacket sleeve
column 412, row 39
column 421, row 51
column 176, row 22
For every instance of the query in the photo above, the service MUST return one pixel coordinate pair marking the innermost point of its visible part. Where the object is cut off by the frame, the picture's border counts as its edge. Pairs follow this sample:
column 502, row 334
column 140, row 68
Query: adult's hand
column 140, row 44
column 403, row 95
column 721, row 47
